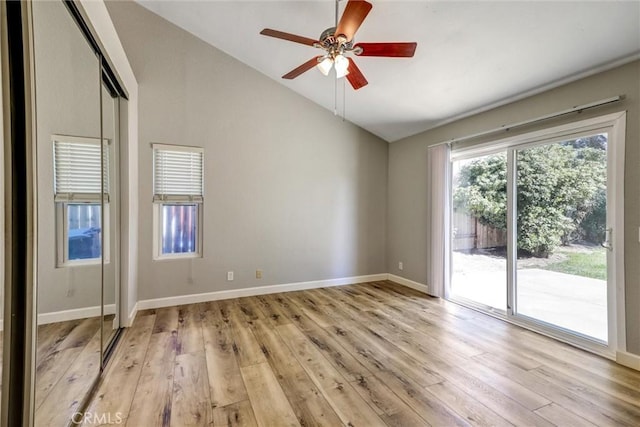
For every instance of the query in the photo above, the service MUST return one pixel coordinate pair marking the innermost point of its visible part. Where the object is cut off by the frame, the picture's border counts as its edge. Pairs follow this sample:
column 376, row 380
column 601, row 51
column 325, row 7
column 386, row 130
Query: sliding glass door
column 561, row 217
column 533, row 230
column 479, row 219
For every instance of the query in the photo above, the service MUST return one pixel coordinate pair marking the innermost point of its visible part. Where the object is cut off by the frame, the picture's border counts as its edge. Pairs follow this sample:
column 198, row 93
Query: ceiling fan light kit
column 337, row 42
column 324, row 65
column 341, row 64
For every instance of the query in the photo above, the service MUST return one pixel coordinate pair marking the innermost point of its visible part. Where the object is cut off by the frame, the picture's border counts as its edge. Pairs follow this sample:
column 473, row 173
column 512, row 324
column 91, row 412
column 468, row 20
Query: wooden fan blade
column 287, row 36
column 355, row 76
column 396, row 50
column 352, row 18
column 301, row 69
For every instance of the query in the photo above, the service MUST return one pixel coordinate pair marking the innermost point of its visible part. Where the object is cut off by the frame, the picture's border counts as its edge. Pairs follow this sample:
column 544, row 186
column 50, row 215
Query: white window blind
column 76, row 163
column 177, row 173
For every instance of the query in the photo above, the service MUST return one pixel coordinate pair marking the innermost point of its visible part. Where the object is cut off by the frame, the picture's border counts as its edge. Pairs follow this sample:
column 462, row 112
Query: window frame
column 61, row 215
column 157, row 233
column 159, row 201
column 62, row 236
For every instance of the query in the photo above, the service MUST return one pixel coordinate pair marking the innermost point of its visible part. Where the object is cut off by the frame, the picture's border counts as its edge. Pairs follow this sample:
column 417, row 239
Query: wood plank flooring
column 67, row 363
column 371, row 354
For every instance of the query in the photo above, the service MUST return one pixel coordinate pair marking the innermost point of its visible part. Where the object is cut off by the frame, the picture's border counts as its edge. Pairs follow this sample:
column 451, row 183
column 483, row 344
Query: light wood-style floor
column 368, row 355
column 67, row 364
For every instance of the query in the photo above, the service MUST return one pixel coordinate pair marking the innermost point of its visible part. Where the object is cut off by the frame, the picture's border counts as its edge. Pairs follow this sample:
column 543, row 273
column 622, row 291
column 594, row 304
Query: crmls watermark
column 96, row 418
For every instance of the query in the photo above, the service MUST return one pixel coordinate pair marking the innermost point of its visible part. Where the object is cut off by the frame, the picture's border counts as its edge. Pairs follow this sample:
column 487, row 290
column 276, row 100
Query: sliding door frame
column 614, row 125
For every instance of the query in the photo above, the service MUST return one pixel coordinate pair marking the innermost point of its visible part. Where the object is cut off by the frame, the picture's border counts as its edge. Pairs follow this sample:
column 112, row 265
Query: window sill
column 81, row 263
column 174, row 257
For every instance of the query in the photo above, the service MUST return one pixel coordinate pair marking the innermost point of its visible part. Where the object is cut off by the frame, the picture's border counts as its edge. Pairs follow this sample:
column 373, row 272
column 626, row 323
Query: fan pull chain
column 335, row 98
column 344, row 99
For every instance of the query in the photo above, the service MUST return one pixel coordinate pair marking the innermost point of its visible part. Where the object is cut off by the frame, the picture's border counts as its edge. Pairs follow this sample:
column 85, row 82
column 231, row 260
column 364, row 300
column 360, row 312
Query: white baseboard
column 409, row 283
column 132, row 315
column 77, row 313
column 259, row 290
column 74, row 314
column 629, row 360
column 624, row 358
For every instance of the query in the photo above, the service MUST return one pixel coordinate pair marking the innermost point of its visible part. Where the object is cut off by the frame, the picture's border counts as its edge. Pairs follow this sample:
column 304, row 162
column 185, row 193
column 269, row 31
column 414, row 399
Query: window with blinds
column 80, row 175
column 77, row 172
column 178, row 195
column 177, row 173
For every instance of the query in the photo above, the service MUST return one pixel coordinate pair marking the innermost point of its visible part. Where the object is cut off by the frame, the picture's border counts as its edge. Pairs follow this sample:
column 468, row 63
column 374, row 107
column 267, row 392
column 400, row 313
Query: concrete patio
column 572, row 302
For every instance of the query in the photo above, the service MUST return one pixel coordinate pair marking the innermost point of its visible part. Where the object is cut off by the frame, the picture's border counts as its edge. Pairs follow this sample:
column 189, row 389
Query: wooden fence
column 469, row 233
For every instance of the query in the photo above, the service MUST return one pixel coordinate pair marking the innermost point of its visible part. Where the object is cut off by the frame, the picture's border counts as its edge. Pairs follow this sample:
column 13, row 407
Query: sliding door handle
column 607, row 239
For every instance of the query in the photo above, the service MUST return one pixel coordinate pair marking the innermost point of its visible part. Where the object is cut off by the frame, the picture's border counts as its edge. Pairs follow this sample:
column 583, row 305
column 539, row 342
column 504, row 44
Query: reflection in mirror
column 110, row 129
column 70, row 214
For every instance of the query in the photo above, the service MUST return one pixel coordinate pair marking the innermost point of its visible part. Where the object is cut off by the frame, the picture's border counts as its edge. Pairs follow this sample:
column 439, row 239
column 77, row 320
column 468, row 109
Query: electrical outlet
column 400, row 266
column 229, row 276
column 258, row 274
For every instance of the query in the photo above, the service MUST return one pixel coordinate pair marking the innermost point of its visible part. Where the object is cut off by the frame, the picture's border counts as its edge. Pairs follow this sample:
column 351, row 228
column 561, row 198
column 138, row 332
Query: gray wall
column 67, row 103
column 289, row 188
column 408, row 173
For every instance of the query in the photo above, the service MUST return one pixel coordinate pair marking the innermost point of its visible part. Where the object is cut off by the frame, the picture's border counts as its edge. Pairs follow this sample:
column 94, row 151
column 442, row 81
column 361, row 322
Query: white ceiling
column 470, row 55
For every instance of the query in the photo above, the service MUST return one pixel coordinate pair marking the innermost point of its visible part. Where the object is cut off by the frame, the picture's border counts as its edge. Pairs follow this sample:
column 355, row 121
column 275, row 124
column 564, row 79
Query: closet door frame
column 20, row 202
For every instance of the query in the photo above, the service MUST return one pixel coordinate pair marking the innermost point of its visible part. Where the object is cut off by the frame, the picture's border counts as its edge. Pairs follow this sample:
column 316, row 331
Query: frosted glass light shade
column 342, row 66
column 325, row 66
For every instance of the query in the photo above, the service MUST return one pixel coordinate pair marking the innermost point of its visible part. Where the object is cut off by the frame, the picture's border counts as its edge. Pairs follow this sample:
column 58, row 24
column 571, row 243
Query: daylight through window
column 178, row 198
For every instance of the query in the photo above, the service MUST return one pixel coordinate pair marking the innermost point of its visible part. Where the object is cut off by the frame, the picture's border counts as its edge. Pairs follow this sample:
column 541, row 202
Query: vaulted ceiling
column 470, row 55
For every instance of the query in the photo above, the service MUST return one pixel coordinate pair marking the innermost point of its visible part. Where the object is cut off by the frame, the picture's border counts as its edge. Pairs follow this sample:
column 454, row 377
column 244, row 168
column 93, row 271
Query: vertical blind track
column 506, row 128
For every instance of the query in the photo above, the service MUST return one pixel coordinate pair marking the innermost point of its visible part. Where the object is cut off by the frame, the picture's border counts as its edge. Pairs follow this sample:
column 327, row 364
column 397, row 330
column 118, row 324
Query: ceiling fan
column 338, row 41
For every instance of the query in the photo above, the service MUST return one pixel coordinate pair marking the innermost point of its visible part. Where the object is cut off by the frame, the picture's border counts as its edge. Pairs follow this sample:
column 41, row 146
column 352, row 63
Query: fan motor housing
column 328, row 40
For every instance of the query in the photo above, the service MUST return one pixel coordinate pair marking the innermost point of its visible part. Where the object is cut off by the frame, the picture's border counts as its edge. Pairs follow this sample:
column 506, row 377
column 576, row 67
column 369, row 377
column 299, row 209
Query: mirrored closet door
column 111, row 206
column 76, row 114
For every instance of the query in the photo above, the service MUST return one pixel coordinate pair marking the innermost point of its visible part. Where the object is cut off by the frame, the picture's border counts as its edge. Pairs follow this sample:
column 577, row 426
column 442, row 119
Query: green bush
column 592, row 226
column 560, row 193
